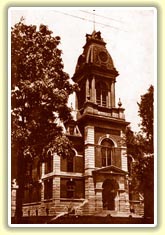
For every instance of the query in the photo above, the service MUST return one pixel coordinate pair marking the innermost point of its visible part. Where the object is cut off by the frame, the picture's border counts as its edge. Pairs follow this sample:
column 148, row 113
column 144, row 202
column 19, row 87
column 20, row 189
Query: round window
column 103, row 56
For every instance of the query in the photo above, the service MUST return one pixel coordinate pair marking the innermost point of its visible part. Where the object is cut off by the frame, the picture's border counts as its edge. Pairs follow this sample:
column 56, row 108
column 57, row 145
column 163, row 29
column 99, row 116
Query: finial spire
column 93, row 20
column 119, row 103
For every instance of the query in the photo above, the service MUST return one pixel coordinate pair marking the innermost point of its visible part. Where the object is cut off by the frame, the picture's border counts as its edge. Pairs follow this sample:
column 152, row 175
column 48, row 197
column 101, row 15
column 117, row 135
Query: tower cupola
column 95, row 55
column 96, row 75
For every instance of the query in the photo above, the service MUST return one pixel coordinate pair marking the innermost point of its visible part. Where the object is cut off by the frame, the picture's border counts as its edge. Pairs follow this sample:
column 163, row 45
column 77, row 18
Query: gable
column 110, row 170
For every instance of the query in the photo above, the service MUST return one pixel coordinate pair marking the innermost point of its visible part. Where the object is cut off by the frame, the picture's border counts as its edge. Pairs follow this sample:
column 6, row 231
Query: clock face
column 103, row 56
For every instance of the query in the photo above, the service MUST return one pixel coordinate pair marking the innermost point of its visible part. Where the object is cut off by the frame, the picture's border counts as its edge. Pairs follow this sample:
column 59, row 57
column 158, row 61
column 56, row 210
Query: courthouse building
column 94, row 179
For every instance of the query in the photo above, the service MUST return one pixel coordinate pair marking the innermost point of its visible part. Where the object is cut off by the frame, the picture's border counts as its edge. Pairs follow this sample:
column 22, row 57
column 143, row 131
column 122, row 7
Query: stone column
column 76, row 106
column 117, row 198
column 14, row 188
column 56, row 164
column 89, row 167
column 87, row 91
column 93, row 90
column 42, row 184
column 56, row 182
column 99, row 203
column 109, row 99
column 124, row 163
column 113, row 94
column 56, row 194
column 89, row 149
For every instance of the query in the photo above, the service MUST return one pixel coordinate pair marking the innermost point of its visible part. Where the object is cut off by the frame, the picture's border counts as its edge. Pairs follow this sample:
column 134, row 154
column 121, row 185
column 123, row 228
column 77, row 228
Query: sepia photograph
column 82, row 110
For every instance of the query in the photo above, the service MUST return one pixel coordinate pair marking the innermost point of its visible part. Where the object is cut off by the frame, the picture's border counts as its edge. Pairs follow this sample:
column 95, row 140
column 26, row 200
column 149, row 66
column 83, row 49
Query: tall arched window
column 49, row 163
column 106, row 152
column 70, row 161
column 101, row 94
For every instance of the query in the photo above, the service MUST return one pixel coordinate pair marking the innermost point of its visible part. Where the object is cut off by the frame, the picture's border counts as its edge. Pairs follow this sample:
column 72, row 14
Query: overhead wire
column 105, row 17
column 83, row 18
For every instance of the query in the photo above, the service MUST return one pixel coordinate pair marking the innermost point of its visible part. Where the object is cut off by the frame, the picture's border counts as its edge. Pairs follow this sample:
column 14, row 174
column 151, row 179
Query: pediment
column 110, row 170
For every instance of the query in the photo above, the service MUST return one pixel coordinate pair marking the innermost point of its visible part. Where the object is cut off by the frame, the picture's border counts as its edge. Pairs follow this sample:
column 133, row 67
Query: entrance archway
column 110, row 187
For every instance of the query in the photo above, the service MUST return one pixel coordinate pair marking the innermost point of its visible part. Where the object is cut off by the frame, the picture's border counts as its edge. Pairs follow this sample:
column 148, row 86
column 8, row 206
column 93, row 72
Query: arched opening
column 110, row 187
column 70, row 161
column 106, row 152
column 101, row 94
column 49, row 162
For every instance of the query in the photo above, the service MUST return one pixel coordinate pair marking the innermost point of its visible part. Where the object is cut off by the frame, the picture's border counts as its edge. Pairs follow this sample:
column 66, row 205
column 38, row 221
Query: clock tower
column 95, row 74
column 102, row 125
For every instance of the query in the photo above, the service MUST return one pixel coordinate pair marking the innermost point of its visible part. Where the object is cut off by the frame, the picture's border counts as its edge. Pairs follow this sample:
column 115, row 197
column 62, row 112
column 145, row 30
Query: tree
column 146, row 164
column 140, row 147
column 146, row 112
column 39, row 94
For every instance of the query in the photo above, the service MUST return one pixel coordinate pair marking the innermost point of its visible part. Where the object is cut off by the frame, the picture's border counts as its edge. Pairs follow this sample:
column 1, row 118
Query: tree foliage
column 40, row 90
column 39, row 94
column 140, row 147
column 146, row 112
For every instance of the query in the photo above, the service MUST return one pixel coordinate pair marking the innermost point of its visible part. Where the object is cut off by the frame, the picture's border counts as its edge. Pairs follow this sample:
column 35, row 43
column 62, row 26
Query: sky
column 130, row 36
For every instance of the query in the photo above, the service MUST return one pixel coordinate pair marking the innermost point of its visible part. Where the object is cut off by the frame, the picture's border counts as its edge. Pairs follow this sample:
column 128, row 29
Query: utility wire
column 96, row 22
column 105, row 17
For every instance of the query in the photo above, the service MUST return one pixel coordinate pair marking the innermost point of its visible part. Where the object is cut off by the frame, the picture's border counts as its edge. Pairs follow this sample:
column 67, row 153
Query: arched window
column 70, row 188
column 70, row 161
column 49, row 163
column 106, row 152
column 48, row 188
column 101, row 94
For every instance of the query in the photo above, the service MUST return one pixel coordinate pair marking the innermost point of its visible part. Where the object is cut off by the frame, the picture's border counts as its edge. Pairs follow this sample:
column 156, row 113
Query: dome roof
column 95, row 53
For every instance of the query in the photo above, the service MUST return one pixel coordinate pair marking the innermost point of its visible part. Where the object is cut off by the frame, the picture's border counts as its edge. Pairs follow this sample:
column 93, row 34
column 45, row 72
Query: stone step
column 117, row 214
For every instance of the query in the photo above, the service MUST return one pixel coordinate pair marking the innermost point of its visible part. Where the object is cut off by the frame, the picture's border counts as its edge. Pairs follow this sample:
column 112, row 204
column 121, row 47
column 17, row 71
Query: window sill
column 72, row 199
column 32, row 203
column 48, row 200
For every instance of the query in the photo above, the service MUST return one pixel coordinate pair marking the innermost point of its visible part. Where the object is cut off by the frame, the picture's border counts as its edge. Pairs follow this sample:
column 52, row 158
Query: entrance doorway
column 110, row 187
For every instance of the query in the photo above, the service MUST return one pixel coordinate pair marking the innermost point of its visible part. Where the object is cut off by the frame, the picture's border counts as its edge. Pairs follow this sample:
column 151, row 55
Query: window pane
column 49, row 163
column 106, row 152
column 48, row 189
column 70, row 189
column 104, row 98
column 108, row 157
column 103, row 153
column 101, row 93
column 98, row 97
column 70, row 164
